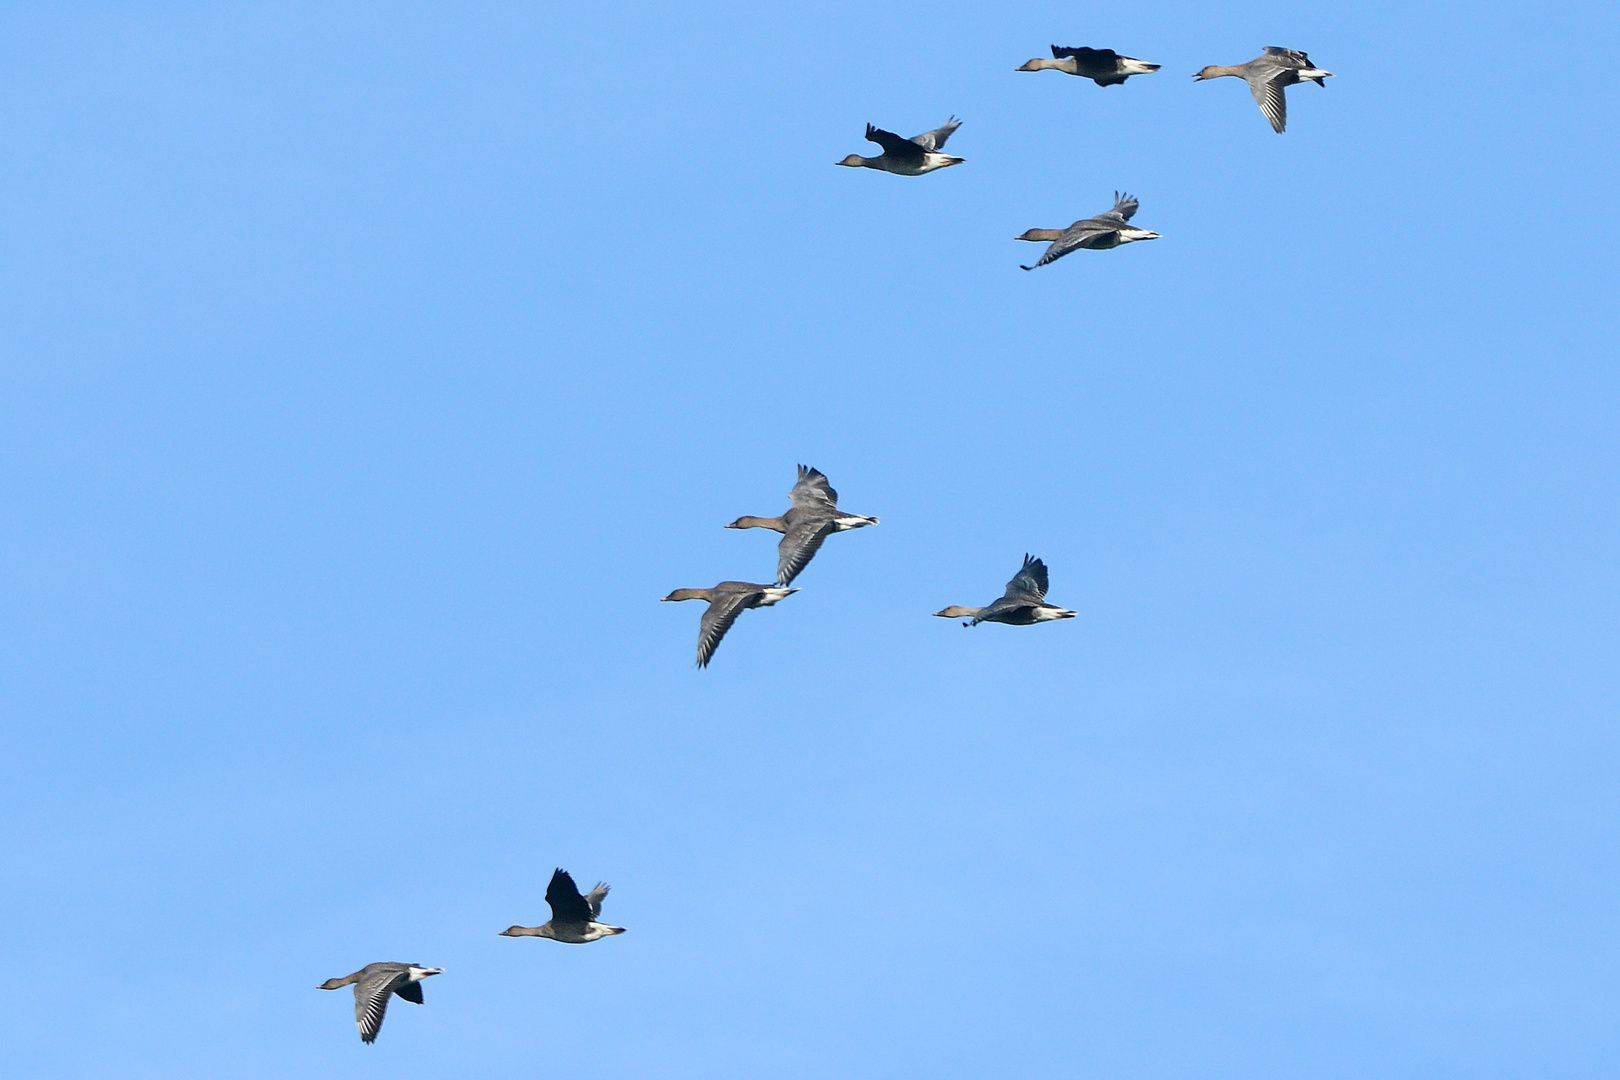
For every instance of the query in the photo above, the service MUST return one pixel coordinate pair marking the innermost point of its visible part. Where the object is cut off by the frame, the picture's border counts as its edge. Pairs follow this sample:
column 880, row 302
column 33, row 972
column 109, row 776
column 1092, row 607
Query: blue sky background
column 370, row 370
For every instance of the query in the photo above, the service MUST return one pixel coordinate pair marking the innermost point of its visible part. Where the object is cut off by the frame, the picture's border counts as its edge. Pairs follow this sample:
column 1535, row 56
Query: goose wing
column 1124, row 206
column 894, row 146
column 1291, row 57
column 371, row 996
column 813, row 489
column 723, row 611
column 1029, row 584
column 1079, row 235
column 1087, row 57
column 799, row 545
column 935, row 140
column 410, row 991
column 1268, row 94
column 594, row 898
column 567, row 906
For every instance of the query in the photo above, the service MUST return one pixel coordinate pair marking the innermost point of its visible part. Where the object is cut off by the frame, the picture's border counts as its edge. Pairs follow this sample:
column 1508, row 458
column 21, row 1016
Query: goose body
column 726, row 600
column 907, row 157
column 573, row 917
column 1023, row 604
column 1105, row 67
column 373, row 985
column 1267, row 75
column 812, row 517
column 1109, row 229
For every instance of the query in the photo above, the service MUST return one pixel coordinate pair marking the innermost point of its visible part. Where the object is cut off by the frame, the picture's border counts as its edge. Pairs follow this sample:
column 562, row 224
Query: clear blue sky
column 370, row 370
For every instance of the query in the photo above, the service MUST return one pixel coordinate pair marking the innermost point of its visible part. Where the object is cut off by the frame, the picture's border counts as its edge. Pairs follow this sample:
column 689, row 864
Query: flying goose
column 812, row 518
column 908, row 157
column 573, row 917
column 1106, row 230
column 1105, row 67
column 374, row 984
column 1267, row 75
column 1023, row 603
column 726, row 600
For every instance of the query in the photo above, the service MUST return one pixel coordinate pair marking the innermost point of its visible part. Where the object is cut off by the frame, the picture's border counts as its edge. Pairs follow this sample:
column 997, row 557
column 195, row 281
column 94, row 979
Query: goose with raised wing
column 726, row 601
column 573, row 917
column 1023, row 604
column 907, row 157
column 1267, row 75
column 812, row 517
column 1109, row 229
column 374, row 984
column 1105, row 67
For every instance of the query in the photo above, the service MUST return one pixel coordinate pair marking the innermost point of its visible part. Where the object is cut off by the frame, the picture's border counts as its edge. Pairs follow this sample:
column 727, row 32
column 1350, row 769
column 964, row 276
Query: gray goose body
column 1268, row 75
column 1105, row 67
column 812, row 517
column 726, row 600
column 1023, row 604
column 374, row 985
column 573, row 917
column 1107, row 230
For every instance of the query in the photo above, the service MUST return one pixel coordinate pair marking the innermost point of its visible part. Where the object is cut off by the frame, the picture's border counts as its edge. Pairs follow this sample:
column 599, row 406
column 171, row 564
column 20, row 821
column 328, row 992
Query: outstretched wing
column 1079, row 235
column 799, row 546
column 1086, row 56
column 894, row 146
column 1029, row 584
column 371, row 1002
column 1124, row 206
column 594, row 898
column 567, row 906
column 723, row 611
column 935, row 140
column 1292, row 57
column 813, row 489
column 1269, row 96
column 410, row 991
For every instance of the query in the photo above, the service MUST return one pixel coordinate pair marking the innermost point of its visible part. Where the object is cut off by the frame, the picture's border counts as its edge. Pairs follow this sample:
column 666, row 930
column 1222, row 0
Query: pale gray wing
column 595, row 897
column 799, row 546
column 1029, row 584
column 723, row 611
column 1268, row 94
column 1075, row 237
column 935, row 140
column 1291, row 57
column 371, row 996
column 1124, row 206
column 812, row 489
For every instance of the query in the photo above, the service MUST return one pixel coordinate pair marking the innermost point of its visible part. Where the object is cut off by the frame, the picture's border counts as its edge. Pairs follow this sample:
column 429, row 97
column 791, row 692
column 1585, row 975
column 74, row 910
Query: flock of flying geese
column 813, row 513
column 1268, row 75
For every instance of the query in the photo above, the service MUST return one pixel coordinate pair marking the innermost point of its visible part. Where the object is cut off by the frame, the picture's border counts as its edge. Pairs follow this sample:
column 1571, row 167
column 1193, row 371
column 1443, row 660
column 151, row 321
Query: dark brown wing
column 894, row 146
column 567, row 906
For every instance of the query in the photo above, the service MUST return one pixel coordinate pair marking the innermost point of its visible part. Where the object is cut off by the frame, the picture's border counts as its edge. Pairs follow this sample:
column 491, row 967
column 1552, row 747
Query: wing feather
column 1271, row 99
column 723, row 611
column 567, row 906
column 799, row 545
column 894, row 145
column 1029, row 584
column 935, row 140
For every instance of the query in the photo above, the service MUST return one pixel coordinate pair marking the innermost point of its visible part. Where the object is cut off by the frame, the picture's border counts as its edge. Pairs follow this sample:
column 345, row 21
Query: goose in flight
column 1267, row 75
column 1107, row 230
column 812, row 517
column 1023, row 603
column 908, row 157
column 726, row 600
column 374, row 984
column 573, row 917
column 1105, row 67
